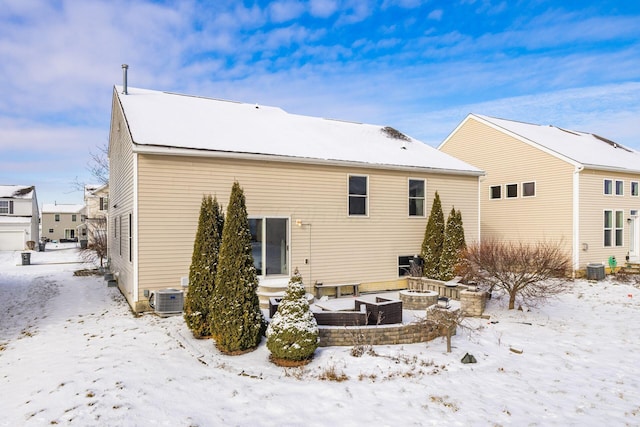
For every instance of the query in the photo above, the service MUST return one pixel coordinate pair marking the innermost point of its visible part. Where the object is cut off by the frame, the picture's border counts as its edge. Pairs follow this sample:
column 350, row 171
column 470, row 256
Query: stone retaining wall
column 379, row 335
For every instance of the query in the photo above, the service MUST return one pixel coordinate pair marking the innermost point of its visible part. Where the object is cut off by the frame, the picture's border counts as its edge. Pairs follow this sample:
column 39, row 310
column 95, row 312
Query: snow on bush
column 293, row 331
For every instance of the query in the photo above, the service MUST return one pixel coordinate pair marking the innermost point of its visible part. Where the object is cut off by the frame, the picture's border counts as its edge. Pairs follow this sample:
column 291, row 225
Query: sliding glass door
column 270, row 245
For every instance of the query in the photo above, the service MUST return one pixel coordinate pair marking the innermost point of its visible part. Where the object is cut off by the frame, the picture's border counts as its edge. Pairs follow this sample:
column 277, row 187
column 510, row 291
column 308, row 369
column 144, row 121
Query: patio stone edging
column 379, row 335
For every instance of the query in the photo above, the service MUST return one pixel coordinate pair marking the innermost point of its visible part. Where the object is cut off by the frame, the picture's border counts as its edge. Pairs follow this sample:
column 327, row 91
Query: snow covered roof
column 17, row 191
column 62, row 208
column 587, row 149
column 92, row 189
column 163, row 119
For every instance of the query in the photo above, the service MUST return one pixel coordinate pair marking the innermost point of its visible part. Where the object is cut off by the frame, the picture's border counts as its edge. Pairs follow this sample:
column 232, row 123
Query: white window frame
column 619, row 185
column 4, row 206
column 618, row 227
column 423, row 198
column 634, row 185
column 534, row 189
column 491, row 187
column 610, row 187
column 365, row 196
column 263, row 252
column 607, row 229
column 506, row 191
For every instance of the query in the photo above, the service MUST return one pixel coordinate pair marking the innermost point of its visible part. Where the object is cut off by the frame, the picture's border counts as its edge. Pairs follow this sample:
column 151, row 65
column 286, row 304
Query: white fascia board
column 523, row 139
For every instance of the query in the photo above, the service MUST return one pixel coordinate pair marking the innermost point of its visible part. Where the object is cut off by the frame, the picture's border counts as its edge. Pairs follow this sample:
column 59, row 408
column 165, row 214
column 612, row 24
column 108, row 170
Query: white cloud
column 323, row 8
column 287, row 10
column 435, row 14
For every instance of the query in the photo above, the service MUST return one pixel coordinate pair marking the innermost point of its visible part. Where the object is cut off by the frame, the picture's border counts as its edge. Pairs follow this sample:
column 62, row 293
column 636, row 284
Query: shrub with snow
column 238, row 323
column 433, row 240
column 293, row 331
column 202, row 271
column 454, row 244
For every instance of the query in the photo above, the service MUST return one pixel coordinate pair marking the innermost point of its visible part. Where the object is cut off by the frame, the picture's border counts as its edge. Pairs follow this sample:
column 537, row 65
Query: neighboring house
column 61, row 222
column 343, row 202
column 546, row 183
column 96, row 201
column 19, row 217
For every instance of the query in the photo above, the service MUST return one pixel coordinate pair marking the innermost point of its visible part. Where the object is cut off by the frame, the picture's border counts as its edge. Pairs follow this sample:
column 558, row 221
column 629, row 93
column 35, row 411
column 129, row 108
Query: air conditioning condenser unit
column 167, row 302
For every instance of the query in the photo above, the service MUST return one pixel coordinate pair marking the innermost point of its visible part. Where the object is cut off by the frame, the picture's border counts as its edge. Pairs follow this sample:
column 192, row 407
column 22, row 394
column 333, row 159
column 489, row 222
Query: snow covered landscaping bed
column 72, row 353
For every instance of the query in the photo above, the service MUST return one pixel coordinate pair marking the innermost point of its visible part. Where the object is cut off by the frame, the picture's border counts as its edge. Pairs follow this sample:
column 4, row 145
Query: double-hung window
column 634, row 188
column 358, row 191
column 57, row 217
column 4, row 207
column 613, row 228
column 619, row 188
column 608, row 187
column 416, row 197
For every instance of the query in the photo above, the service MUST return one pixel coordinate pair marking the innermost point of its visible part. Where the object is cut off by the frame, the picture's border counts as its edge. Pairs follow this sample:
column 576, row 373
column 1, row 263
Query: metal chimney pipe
column 124, row 78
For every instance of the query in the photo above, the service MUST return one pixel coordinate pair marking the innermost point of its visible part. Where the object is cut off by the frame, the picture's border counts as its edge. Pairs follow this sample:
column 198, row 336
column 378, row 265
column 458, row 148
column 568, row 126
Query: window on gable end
column 496, row 192
column 528, row 189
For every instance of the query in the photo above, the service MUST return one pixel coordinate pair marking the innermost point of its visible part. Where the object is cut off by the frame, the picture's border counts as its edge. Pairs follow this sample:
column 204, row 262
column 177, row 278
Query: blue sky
column 418, row 66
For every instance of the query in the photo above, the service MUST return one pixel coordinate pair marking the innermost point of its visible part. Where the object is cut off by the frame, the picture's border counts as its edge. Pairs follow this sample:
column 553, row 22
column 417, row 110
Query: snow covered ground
column 72, row 353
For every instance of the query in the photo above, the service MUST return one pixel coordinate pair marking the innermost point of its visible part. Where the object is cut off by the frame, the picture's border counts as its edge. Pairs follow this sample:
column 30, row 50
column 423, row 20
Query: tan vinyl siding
column 59, row 227
column 593, row 203
column 548, row 216
column 121, row 189
column 343, row 249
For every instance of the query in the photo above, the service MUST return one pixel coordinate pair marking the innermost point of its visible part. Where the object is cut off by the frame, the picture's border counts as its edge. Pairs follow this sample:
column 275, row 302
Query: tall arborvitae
column 433, row 240
column 202, row 272
column 237, row 319
column 454, row 244
column 293, row 332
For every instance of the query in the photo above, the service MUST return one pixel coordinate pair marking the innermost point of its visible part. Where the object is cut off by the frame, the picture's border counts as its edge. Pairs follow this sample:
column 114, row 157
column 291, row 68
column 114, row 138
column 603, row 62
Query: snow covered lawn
column 72, row 353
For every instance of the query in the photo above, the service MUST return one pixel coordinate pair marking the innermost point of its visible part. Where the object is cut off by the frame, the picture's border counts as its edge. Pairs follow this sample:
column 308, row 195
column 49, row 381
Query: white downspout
column 576, row 219
column 480, row 179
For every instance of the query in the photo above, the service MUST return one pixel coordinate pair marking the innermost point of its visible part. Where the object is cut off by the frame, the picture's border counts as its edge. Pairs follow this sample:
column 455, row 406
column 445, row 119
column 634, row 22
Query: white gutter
column 174, row 151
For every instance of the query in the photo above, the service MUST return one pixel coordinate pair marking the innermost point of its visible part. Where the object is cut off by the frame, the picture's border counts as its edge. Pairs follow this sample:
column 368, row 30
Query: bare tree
column 99, row 164
column 98, row 167
column 444, row 320
column 530, row 272
column 96, row 250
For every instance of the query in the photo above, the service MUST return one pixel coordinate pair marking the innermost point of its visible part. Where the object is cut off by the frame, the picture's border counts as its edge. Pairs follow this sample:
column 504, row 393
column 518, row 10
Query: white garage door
column 12, row 240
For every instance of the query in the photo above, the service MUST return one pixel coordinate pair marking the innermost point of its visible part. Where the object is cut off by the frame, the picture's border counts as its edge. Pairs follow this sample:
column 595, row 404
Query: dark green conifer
column 238, row 323
column 454, row 244
column 293, row 331
column 202, row 272
column 433, row 240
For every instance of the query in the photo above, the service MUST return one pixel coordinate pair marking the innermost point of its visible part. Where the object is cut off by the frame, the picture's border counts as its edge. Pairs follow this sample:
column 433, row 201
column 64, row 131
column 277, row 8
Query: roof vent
column 125, row 67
